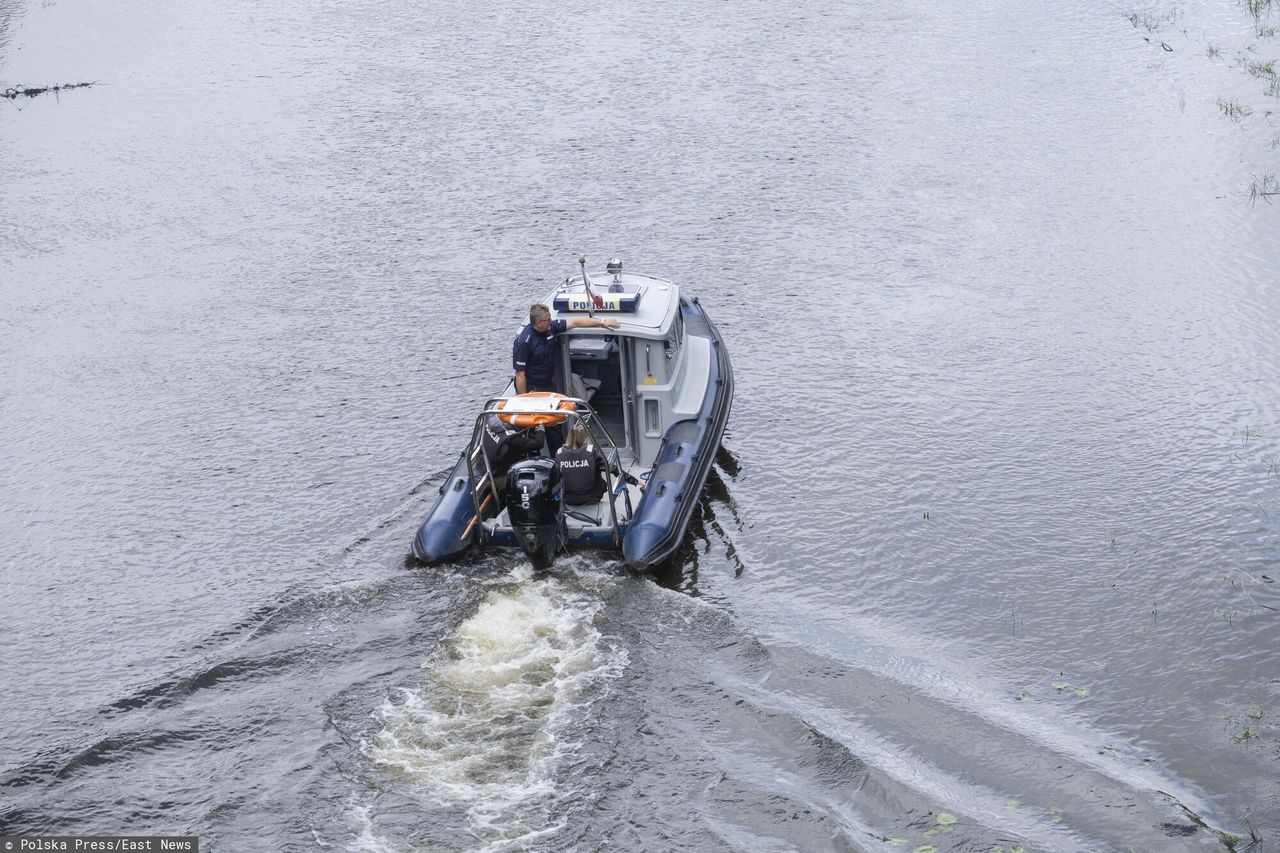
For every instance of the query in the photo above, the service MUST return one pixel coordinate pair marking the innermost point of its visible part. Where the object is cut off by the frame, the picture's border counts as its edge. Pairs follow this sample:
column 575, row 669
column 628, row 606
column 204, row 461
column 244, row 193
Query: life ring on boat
column 534, row 409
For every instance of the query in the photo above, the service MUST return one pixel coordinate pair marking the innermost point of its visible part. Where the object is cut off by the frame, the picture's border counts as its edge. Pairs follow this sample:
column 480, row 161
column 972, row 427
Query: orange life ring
column 537, row 408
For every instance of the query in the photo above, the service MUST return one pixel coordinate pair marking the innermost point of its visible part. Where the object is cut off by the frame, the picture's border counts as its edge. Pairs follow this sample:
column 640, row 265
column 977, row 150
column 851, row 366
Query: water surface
column 988, row 558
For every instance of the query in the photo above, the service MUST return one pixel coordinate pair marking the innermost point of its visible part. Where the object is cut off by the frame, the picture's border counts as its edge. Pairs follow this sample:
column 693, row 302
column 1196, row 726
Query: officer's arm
column 590, row 323
column 520, row 360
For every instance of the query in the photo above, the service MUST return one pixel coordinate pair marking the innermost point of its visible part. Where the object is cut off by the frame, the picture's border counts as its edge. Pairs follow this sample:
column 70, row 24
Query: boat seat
column 583, row 387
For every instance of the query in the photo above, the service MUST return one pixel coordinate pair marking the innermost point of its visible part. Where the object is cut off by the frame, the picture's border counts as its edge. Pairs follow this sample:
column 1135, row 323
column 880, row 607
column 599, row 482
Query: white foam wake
column 489, row 730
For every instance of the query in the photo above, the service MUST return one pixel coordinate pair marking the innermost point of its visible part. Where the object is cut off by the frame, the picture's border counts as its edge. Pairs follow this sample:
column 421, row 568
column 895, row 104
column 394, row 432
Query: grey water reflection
column 988, row 560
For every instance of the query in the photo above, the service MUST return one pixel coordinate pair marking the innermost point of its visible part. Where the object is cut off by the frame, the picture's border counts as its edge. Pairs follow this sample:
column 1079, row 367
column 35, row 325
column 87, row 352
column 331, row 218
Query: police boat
column 652, row 397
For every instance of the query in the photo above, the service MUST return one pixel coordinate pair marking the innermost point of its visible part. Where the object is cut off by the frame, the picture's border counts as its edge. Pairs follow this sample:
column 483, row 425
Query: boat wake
column 488, row 734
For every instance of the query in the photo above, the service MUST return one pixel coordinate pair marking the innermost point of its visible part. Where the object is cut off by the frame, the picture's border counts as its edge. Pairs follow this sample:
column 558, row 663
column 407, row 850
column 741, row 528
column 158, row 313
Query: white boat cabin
column 641, row 377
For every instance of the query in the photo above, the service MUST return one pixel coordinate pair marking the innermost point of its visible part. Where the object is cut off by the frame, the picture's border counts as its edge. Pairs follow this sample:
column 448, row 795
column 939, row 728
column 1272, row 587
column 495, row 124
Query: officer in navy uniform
column 535, row 355
column 580, row 469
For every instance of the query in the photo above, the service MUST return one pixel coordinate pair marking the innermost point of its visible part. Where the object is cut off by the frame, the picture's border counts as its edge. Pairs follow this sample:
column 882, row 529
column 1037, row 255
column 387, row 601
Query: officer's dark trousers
column 555, row 434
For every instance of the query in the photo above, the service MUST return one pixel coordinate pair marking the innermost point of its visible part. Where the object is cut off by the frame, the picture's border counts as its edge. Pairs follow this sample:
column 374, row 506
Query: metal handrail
column 476, row 448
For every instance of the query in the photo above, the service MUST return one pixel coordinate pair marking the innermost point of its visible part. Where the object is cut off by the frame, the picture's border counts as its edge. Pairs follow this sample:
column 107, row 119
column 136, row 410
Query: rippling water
column 988, row 559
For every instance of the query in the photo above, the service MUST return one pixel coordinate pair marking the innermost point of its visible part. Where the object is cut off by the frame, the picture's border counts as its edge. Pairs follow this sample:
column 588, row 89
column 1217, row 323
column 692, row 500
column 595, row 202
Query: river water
column 988, row 559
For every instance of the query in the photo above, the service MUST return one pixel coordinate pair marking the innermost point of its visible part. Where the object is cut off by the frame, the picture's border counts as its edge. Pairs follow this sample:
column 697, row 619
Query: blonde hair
column 578, row 436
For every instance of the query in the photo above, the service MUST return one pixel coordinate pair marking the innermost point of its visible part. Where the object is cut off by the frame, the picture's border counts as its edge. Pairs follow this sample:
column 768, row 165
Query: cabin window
column 672, row 343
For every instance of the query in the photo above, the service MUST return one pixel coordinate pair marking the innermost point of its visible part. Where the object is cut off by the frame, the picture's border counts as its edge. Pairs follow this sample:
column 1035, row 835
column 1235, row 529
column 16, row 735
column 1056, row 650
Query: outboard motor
column 533, row 502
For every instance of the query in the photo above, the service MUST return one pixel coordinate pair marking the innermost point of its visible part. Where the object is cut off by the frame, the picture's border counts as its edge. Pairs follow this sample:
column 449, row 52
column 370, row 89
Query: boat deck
column 579, row 531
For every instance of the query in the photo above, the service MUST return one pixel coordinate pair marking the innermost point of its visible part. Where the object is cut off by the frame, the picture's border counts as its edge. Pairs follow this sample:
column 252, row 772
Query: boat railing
column 484, row 487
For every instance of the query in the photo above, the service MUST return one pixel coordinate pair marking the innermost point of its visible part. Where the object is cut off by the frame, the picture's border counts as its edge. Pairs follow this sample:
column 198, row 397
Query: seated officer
column 580, row 469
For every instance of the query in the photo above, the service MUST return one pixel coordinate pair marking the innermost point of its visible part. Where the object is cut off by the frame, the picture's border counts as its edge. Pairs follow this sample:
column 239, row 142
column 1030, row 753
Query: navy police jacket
column 537, row 354
column 580, row 473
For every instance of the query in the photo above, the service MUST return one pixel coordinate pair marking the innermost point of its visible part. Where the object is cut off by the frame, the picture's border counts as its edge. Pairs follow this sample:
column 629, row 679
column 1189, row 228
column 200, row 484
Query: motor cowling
column 533, row 504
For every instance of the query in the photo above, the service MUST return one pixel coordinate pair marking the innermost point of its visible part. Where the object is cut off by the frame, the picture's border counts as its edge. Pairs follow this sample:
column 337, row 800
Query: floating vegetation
column 1246, row 583
column 946, row 821
column 1249, row 432
column 1231, row 614
column 1230, row 839
column 1243, row 581
column 1261, row 69
column 1260, row 10
column 1252, row 726
column 1265, row 71
column 1060, row 687
column 1264, row 188
column 1016, row 621
column 21, row 91
column 1246, row 52
column 1234, row 110
column 1244, row 735
column 1150, row 22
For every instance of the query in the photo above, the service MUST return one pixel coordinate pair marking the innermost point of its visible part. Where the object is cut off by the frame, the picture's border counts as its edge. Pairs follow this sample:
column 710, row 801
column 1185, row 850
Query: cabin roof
column 644, row 306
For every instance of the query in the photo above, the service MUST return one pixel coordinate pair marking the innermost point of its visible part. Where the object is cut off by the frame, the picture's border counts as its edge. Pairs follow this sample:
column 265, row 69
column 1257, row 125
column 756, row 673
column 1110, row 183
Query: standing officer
column 535, row 355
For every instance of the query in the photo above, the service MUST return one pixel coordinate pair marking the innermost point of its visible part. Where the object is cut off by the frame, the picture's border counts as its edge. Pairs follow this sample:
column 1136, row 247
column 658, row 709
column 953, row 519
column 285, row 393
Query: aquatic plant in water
column 1261, row 69
column 1260, row 10
column 1233, row 109
column 20, row 90
column 1245, row 58
column 1264, row 188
